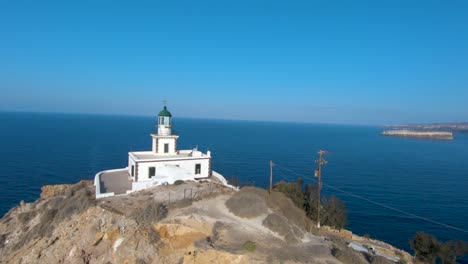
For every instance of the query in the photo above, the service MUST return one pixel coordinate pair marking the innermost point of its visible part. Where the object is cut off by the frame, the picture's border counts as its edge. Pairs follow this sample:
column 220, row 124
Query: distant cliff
column 444, row 127
column 419, row 134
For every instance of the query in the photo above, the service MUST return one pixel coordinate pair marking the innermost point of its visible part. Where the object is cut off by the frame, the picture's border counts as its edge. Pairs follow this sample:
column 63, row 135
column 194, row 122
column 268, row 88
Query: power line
column 377, row 203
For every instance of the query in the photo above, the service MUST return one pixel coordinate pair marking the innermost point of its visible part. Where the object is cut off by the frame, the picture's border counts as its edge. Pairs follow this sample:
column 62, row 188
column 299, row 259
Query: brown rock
column 49, row 191
column 346, row 234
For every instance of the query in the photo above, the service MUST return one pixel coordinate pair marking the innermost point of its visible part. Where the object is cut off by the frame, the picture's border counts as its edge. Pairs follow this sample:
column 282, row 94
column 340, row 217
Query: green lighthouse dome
column 165, row 112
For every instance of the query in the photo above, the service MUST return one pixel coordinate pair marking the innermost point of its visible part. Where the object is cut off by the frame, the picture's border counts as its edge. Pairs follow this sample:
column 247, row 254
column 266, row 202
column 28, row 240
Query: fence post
column 169, row 197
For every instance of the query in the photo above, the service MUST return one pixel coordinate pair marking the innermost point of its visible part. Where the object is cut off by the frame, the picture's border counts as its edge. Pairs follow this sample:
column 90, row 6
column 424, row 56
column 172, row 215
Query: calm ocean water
column 425, row 177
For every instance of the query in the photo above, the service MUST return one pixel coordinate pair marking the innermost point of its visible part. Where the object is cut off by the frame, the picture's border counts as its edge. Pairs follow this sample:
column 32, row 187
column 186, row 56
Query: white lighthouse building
column 164, row 164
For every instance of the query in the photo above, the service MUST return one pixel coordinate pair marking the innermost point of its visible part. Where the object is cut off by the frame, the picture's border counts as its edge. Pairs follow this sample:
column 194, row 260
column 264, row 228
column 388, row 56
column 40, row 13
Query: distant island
column 445, row 127
column 443, row 131
column 419, row 134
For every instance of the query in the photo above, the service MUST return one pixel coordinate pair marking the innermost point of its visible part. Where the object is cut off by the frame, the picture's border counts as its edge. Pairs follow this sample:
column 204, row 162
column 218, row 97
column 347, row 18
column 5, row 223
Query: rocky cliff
column 166, row 224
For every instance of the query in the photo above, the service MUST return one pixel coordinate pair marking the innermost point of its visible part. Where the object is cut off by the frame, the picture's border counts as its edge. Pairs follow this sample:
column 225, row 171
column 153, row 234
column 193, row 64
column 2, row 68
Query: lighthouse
column 163, row 164
column 164, row 143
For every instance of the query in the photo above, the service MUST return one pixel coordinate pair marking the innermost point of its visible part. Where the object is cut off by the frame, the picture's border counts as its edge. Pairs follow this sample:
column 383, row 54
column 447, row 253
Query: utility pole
column 318, row 173
column 271, row 174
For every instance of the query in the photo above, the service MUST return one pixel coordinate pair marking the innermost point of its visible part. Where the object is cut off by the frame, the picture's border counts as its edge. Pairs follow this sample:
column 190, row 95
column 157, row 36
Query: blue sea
column 428, row 178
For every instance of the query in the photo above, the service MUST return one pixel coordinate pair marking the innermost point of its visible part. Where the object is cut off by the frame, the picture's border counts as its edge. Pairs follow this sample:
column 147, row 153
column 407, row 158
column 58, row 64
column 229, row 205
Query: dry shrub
column 2, row 240
column 247, row 203
column 45, row 226
column 182, row 203
column 178, row 182
column 283, row 205
column 79, row 201
column 151, row 213
column 153, row 236
column 141, row 261
column 251, row 202
column 26, row 216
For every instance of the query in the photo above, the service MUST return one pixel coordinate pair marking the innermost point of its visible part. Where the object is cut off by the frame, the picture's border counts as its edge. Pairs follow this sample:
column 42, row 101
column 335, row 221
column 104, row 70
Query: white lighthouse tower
column 164, row 164
column 164, row 143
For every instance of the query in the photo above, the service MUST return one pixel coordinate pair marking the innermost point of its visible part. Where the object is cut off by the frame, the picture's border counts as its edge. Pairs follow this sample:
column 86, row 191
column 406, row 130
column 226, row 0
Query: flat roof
column 182, row 154
column 118, row 182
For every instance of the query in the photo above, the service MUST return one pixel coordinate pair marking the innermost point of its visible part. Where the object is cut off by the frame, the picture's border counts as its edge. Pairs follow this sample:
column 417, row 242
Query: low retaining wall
column 97, row 183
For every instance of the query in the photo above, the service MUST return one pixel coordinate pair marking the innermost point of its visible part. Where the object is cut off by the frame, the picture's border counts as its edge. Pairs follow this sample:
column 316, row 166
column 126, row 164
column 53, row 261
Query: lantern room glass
column 164, row 120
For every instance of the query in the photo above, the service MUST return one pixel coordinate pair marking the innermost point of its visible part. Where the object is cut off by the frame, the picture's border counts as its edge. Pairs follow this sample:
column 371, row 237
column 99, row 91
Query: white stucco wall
column 159, row 143
column 164, row 130
column 131, row 163
column 188, row 165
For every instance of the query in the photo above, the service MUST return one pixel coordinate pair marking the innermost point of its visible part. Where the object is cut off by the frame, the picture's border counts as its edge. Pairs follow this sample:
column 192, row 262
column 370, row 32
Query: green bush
column 334, row 213
column 310, row 203
column 333, row 210
column 249, row 246
column 293, row 190
column 449, row 251
column 425, row 247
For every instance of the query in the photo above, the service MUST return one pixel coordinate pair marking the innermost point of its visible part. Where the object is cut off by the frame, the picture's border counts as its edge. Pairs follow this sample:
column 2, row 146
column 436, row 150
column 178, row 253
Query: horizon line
column 185, row 117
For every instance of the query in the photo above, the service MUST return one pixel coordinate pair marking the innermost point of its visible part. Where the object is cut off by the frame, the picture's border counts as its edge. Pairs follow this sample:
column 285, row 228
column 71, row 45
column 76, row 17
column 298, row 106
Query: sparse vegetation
column 178, row 182
column 292, row 190
column 247, row 203
column 427, row 249
column 153, row 212
column 26, row 216
column 425, row 246
column 333, row 210
column 249, row 246
column 2, row 240
column 153, row 236
column 296, row 215
column 77, row 199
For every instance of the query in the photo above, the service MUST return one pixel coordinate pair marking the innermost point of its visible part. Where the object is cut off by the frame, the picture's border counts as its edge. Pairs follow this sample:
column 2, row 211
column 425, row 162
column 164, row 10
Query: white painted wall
column 131, row 163
column 187, row 165
column 164, row 130
column 160, row 141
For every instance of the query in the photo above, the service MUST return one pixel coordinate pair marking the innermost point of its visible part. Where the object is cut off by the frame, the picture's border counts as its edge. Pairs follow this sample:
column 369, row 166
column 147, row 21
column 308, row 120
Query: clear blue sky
column 363, row 62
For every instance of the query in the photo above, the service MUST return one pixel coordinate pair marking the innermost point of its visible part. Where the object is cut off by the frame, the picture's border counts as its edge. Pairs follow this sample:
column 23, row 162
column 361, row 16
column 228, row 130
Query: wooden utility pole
column 318, row 173
column 271, row 174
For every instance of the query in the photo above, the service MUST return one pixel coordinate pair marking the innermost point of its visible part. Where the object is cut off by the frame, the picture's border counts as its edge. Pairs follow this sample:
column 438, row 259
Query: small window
column 133, row 170
column 166, row 148
column 197, row 168
column 152, row 172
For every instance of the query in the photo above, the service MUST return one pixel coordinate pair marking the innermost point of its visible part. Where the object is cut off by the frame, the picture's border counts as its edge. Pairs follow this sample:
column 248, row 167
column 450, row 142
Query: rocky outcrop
column 67, row 225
